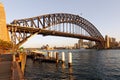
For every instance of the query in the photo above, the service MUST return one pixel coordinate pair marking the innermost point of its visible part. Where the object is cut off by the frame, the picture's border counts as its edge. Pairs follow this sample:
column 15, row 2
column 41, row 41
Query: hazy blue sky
column 104, row 14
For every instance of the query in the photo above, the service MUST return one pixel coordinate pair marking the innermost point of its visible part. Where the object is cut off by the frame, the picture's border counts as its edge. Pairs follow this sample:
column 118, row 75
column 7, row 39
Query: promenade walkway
column 9, row 69
column 5, row 67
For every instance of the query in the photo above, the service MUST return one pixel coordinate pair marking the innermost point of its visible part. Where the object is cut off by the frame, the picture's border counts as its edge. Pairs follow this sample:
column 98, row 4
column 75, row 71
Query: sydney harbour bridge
column 57, row 24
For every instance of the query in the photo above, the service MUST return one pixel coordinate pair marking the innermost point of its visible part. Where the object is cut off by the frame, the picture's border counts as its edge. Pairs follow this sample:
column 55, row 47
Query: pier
column 50, row 57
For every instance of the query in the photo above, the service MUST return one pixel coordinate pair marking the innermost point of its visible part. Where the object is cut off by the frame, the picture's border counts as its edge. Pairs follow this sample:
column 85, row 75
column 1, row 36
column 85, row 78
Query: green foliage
column 21, row 49
column 5, row 45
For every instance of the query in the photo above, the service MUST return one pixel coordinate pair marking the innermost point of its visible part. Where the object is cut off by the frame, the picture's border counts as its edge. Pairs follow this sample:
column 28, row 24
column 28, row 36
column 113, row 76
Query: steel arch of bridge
column 40, row 24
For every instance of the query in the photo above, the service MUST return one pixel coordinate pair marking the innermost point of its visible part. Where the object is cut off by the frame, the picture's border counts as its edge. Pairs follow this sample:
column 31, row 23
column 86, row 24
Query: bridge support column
column 3, row 28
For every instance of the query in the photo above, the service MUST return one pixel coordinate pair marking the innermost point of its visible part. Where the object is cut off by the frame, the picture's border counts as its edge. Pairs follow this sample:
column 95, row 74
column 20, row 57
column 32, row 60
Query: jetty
column 50, row 57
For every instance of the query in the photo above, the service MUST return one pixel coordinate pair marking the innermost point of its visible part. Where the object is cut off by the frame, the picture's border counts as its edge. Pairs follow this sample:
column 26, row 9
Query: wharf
column 9, row 70
column 47, row 57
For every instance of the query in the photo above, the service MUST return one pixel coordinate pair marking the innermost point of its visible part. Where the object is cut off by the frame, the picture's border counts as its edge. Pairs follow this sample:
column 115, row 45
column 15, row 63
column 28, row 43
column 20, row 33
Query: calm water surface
column 87, row 65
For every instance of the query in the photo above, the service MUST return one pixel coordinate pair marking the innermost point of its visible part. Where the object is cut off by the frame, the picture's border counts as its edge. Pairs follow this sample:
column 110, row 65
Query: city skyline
column 104, row 15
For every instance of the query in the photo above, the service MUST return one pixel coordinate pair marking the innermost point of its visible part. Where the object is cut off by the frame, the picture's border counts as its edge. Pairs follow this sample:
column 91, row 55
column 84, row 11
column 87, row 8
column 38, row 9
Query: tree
column 21, row 49
column 5, row 45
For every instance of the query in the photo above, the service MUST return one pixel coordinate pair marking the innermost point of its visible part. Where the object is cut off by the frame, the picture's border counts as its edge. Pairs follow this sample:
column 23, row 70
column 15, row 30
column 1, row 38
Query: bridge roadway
column 45, row 32
column 9, row 70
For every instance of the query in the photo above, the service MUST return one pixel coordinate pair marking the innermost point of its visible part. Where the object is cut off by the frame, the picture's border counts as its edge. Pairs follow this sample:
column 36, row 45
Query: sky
column 104, row 14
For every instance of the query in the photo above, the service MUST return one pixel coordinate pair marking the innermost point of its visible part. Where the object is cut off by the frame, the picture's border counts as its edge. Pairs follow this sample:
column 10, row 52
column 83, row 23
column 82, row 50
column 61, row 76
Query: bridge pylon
column 3, row 27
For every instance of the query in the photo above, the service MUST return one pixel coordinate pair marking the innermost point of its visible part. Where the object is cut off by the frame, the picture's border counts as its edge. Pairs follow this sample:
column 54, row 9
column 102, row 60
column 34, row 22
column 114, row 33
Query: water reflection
column 71, row 77
column 63, row 66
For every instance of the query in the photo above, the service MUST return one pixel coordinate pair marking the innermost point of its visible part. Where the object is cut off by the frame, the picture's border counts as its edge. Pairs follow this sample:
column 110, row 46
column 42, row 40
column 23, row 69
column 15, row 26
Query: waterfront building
column 107, row 42
column 76, row 46
column 91, row 44
column 80, row 43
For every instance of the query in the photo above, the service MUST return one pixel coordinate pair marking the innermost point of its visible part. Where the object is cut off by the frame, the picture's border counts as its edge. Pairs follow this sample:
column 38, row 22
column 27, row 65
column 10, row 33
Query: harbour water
column 87, row 65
